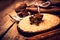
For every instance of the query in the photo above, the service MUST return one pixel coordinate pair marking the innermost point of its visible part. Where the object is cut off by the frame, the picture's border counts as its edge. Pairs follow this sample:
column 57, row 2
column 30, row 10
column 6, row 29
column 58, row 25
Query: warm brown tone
column 13, row 34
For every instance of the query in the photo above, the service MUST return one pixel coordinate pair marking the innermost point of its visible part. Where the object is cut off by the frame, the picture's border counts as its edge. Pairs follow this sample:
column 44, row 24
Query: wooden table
column 8, row 30
column 13, row 34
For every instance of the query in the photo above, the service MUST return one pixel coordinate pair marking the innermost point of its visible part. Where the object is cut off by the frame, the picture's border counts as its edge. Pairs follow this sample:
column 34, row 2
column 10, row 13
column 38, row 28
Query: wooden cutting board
column 50, row 21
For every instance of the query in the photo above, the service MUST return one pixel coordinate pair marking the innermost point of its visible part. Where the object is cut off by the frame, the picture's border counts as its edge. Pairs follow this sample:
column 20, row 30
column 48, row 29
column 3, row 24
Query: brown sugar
column 36, row 19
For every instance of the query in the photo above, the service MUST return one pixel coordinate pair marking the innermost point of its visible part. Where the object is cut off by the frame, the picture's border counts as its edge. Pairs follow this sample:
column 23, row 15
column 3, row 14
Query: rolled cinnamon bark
column 23, row 5
column 43, row 9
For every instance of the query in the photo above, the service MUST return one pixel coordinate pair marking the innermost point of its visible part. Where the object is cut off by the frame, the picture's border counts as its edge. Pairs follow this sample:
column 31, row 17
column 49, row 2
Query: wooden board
column 13, row 34
column 46, row 34
column 6, row 25
column 47, row 24
column 4, row 20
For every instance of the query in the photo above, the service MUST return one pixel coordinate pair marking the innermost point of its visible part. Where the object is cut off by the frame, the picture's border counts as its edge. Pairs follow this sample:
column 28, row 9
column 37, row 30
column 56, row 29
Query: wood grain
column 4, row 27
column 13, row 34
column 45, row 35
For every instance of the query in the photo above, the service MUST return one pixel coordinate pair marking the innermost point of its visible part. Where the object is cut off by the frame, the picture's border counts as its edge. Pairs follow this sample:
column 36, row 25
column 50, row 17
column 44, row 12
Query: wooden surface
column 25, row 25
column 9, row 31
column 8, row 26
column 13, row 34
